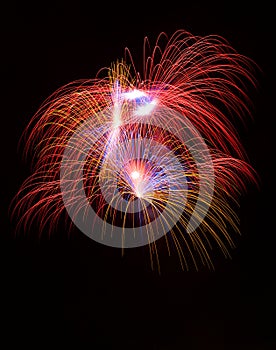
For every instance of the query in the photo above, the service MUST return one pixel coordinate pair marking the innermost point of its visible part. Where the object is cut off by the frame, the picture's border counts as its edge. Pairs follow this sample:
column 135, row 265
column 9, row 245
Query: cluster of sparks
column 136, row 167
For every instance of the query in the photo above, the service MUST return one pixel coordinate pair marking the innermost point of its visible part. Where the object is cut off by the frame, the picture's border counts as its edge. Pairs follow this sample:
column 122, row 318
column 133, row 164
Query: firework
column 135, row 157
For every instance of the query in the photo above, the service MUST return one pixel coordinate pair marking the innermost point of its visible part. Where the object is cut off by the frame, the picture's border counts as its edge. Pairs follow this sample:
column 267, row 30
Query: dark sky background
column 71, row 290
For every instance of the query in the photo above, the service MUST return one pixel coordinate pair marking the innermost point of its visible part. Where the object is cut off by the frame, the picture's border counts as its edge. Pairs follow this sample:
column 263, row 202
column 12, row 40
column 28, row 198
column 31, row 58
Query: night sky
column 67, row 289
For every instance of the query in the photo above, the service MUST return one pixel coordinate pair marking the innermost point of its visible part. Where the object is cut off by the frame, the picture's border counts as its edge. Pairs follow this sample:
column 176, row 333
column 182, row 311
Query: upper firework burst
column 133, row 157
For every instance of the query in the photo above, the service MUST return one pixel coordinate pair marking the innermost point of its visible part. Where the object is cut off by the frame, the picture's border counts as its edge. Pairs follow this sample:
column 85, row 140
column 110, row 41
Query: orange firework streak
column 154, row 154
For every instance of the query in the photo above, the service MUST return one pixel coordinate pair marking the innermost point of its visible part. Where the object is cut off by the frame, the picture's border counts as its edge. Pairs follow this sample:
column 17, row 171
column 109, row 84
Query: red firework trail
column 132, row 157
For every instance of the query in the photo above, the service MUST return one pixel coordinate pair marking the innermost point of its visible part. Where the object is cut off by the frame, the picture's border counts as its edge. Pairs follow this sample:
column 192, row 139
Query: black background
column 66, row 290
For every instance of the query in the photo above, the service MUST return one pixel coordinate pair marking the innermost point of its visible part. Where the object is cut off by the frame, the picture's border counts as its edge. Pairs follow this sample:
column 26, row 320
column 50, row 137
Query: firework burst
column 133, row 157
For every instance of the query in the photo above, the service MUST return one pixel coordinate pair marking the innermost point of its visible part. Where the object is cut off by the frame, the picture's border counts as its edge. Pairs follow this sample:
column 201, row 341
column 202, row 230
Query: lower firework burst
column 132, row 158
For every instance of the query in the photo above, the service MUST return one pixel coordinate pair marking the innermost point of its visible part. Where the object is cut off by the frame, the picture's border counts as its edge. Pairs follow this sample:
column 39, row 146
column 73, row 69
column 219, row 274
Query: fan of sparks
column 132, row 157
